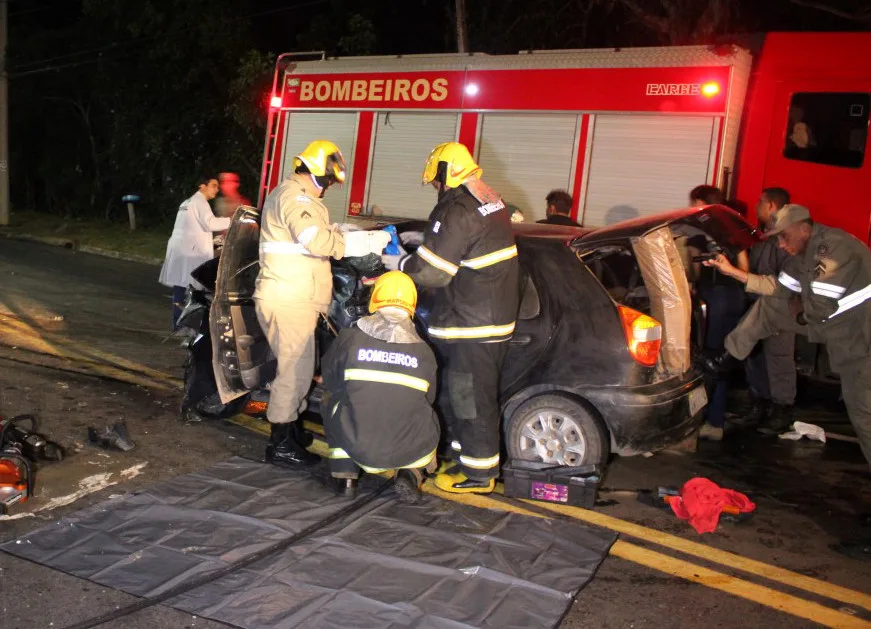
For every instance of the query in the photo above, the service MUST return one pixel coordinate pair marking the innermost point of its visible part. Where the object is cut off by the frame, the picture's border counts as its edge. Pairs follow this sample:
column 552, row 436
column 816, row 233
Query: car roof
column 565, row 233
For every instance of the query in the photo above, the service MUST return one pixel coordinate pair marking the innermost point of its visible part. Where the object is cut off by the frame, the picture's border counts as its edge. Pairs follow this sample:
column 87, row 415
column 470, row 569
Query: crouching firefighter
column 469, row 254
column 380, row 379
column 295, row 286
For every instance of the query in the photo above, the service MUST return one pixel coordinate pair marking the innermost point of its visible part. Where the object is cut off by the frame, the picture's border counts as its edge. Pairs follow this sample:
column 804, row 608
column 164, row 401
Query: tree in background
column 144, row 96
column 166, row 94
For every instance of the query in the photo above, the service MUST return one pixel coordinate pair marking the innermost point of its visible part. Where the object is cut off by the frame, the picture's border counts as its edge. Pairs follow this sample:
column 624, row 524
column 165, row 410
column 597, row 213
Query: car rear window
column 618, row 271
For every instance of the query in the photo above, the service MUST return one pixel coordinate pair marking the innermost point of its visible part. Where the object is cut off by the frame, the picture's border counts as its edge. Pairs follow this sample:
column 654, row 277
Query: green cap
column 788, row 215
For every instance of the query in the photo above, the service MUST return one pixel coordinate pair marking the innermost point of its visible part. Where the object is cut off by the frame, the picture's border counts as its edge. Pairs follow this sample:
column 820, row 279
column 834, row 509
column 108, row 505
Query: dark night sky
column 416, row 26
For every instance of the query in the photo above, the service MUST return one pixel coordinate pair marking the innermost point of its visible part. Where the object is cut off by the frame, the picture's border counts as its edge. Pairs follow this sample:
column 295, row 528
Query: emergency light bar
column 710, row 89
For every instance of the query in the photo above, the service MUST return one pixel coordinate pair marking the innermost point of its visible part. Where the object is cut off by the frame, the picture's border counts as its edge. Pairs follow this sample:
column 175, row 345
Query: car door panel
column 241, row 356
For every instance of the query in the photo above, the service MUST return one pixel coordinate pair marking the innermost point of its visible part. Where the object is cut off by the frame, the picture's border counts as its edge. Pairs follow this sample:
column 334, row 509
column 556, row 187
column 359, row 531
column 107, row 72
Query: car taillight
column 643, row 335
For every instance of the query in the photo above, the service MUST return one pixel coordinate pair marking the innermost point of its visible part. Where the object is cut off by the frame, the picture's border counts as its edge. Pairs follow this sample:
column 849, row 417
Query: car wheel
column 556, row 429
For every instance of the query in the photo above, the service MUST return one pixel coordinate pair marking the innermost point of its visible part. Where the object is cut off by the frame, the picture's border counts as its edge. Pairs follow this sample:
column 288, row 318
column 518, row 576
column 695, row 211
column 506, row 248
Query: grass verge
column 93, row 233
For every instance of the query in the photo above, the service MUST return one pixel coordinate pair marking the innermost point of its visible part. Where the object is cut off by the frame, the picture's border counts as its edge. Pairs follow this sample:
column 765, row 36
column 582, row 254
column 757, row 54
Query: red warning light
column 275, row 101
column 710, row 89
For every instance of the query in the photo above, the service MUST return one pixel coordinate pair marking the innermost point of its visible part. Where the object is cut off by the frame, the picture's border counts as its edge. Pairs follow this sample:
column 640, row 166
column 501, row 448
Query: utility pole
column 4, row 118
column 462, row 36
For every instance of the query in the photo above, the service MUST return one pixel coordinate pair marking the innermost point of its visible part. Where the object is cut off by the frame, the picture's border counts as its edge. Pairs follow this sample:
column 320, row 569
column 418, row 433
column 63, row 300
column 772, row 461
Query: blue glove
column 393, row 248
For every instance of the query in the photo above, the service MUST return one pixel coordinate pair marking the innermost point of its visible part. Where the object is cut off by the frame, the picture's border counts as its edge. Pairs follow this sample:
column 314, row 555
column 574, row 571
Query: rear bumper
column 649, row 417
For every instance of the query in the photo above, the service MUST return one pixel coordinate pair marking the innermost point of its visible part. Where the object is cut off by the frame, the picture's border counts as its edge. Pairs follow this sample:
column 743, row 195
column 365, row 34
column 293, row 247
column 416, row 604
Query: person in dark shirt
column 559, row 209
column 724, row 297
column 771, row 374
column 706, row 195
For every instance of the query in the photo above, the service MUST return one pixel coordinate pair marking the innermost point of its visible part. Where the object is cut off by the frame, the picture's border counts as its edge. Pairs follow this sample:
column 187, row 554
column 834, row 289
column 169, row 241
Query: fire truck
column 627, row 132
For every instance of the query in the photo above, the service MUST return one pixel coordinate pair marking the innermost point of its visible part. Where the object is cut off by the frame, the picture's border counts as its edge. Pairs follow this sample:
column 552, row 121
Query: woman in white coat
column 191, row 242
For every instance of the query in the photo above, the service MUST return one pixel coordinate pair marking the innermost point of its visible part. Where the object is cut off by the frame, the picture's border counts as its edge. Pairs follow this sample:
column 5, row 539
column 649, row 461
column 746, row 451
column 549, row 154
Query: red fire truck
column 626, row 131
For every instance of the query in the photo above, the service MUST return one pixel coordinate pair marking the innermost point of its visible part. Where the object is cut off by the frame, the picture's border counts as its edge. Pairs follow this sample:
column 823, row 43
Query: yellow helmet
column 324, row 160
column 458, row 167
column 394, row 288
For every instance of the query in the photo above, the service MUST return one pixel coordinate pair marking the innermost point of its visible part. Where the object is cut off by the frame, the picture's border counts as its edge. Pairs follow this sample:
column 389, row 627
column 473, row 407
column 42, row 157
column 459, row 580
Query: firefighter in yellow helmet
column 295, row 284
column 468, row 252
column 380, row 378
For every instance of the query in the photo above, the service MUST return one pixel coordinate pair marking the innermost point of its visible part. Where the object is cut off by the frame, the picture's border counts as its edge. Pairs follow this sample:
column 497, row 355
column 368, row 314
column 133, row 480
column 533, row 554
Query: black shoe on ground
column 720, row 365
column 756, row 416
column 779, row 420
column 347, row 487
column 284, row 450
column 407, row 486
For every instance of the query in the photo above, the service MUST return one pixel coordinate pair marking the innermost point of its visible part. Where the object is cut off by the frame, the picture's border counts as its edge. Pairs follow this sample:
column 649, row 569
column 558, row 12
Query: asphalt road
column 63, row 313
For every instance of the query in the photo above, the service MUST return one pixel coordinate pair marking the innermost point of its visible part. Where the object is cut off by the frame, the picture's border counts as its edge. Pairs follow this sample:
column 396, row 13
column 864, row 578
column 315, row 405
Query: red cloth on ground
column 702, row 501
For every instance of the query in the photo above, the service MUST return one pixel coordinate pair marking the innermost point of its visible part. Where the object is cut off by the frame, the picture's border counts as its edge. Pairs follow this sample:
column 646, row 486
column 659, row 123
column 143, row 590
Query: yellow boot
column 459, row 483
column 447, row 466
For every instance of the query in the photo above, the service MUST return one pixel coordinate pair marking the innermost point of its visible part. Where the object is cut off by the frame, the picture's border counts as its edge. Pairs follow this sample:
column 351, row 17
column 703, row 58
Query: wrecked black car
column 601, row 361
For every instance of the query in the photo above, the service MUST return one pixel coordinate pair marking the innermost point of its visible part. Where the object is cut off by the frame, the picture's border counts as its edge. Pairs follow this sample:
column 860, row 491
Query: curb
column 71, row 244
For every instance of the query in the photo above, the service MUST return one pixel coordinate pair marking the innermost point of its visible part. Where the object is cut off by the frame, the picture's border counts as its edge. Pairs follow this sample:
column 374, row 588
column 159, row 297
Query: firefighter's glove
column 362, row 243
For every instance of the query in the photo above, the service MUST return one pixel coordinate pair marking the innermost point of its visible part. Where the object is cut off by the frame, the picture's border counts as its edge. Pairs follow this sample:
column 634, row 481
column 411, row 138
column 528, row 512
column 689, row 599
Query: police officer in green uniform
column 824, row 292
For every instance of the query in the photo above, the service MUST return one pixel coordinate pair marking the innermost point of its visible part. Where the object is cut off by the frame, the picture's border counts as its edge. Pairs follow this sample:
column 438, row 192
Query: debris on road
column 109, row 437
column 802, row 429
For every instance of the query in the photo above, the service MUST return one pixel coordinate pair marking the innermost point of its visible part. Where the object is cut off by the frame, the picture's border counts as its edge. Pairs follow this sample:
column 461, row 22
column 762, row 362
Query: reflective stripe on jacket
column 469, row 254
column 380, row 400
column 296, row 242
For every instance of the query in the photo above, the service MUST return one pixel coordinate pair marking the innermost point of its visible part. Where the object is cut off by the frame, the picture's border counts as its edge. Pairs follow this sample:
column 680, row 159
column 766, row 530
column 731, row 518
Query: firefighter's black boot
column 778, row 421
column 302, row 437
column 285, row 451
column 347, row 487
column 720, row 365
column 407, row 486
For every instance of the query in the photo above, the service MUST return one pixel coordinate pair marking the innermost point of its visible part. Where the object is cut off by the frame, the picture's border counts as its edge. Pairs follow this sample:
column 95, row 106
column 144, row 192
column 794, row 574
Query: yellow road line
column 760, row 594
column 733, row 585
column 758, row 568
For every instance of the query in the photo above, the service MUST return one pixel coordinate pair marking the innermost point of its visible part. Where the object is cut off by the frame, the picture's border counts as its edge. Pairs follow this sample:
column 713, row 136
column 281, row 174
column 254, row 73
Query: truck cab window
column 828, row 128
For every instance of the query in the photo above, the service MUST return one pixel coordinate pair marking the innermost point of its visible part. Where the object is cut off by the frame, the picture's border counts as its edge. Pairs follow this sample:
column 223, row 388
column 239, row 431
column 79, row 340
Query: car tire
column 574, row 431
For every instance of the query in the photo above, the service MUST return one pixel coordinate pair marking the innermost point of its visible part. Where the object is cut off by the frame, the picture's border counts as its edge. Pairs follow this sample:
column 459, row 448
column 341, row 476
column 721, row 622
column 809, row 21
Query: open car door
column 241, row 356
column 664, row 269
column 722, row 224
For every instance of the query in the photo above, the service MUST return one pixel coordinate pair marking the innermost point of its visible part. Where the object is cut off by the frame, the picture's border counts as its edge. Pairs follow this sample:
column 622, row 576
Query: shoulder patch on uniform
column 819, row 269
column 303, row 199
column 305, row 214
column 436, row 227
column 823, row 249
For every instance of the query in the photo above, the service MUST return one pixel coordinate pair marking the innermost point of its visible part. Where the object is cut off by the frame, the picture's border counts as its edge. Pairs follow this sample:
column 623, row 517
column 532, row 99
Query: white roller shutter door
column 402, row 143
column 525, row 156
column 644, row 164
column 304, row 127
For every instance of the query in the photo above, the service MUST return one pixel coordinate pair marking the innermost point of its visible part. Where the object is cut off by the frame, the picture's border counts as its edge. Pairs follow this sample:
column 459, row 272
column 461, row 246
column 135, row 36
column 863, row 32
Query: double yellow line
column 696, row 573
column 668, row 564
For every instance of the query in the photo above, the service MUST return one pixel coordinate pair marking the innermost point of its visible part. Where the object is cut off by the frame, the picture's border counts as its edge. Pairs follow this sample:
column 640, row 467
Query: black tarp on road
column 386, row 565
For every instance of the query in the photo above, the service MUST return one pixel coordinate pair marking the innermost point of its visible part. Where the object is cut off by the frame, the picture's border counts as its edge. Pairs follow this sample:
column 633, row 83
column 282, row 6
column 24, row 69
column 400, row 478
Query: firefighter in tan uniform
column 824, row 292
column 295, row 286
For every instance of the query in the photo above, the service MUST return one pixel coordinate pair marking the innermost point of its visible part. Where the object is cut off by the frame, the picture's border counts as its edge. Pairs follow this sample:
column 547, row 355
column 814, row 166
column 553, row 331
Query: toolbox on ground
column 576, row 486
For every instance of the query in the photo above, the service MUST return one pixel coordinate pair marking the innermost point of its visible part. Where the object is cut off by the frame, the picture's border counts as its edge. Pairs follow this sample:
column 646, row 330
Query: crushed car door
column 241, row 356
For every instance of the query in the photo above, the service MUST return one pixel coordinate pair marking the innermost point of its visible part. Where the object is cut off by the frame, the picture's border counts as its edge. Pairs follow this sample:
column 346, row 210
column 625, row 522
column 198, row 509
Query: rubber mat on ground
column 387, row 565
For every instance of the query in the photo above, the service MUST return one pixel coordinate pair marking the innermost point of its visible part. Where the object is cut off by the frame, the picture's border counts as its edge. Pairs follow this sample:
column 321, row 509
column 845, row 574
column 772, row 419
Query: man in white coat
column 191, row 242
